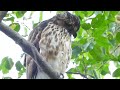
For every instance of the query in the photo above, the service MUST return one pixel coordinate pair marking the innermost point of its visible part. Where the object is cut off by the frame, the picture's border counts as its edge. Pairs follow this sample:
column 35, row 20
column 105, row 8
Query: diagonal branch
column 28, row 48
column 2, row 14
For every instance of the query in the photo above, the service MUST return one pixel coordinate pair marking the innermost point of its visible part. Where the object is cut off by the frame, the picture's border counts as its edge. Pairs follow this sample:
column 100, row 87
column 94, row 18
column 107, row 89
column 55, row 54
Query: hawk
column 52, row 38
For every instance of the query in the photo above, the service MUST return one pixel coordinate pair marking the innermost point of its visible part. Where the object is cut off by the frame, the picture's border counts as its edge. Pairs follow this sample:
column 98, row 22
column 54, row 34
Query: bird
column 52, row 38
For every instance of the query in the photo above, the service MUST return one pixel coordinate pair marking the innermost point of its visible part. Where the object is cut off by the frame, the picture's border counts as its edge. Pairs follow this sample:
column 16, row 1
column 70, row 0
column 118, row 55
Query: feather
column 52, row 38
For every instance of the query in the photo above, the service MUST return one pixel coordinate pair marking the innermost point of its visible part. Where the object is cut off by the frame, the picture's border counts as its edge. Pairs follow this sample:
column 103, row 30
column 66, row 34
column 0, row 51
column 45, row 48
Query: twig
column 110, row 53
column 28, row 48
column 115, row 49
column 25, row 26
column 91, row 76
column 84, row 76
column 102, row 65
column 84, row 66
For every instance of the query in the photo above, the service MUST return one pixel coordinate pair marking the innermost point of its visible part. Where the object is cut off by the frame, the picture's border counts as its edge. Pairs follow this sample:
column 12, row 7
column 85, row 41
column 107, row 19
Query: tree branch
column 28, row 48
column 84, row 76
column 2, row 14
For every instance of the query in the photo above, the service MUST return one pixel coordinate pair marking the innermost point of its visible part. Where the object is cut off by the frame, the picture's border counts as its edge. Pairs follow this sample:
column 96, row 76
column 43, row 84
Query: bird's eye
column 69, row 21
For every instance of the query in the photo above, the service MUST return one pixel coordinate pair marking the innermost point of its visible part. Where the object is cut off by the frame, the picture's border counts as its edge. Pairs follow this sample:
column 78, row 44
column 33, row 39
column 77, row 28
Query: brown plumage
column 52, row 38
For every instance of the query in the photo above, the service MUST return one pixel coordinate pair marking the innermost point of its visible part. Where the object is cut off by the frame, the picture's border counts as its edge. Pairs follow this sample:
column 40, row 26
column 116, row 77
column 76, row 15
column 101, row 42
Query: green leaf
column 105, row 69
column 72, row 70
column 112, row 57
column 83, row 40
column 102, row 41
column 118, row 37
column 90, row 13
column 86, row 26
column 96, row 53
column 25, row 32
column 110, row 36
column 19, row 14
column 87, row 13
column 19, row 66
column 91, row 61
column 81, row 67
column 9, row 19
column 84, row 12
column 41, row 16
column 6, row 65
column 88, row 46
column 79, row 14
column 0, row 67
column 85, row 46
column 79, row 33
column 4, row 70
column 76, row 51
column 15, row 26
column 119, row 58
column 90, row 73
column 106, row 13
column 31, row 13
column 6, row 78
column 111, row 16
column 75, row 43
column 116, row 73
column 98, row 21
column 99, row 31
column 21, row 72
column 95, row 74
column 70, row 76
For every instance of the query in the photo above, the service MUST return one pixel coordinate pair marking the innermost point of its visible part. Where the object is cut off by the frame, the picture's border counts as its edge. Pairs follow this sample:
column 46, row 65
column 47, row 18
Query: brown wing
column 34, row 38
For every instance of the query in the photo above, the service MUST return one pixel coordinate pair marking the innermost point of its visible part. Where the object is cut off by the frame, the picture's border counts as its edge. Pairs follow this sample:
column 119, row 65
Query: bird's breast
column 55, row 47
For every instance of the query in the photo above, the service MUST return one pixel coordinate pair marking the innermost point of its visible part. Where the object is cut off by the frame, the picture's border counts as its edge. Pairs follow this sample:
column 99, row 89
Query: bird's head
column 70, row 22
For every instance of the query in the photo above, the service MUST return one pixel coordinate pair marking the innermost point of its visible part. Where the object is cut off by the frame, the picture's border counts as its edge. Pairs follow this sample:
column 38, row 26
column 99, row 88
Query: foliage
column 6, row 65
column 96, row 44
column 98, row 39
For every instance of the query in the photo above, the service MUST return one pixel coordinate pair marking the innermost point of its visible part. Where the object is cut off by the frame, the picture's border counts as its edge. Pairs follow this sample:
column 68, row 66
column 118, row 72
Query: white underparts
column 55, row 47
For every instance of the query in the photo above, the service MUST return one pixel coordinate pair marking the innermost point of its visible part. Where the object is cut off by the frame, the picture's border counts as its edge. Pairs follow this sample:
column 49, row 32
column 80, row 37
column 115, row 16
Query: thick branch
column 29, row 49
column 2, row 15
